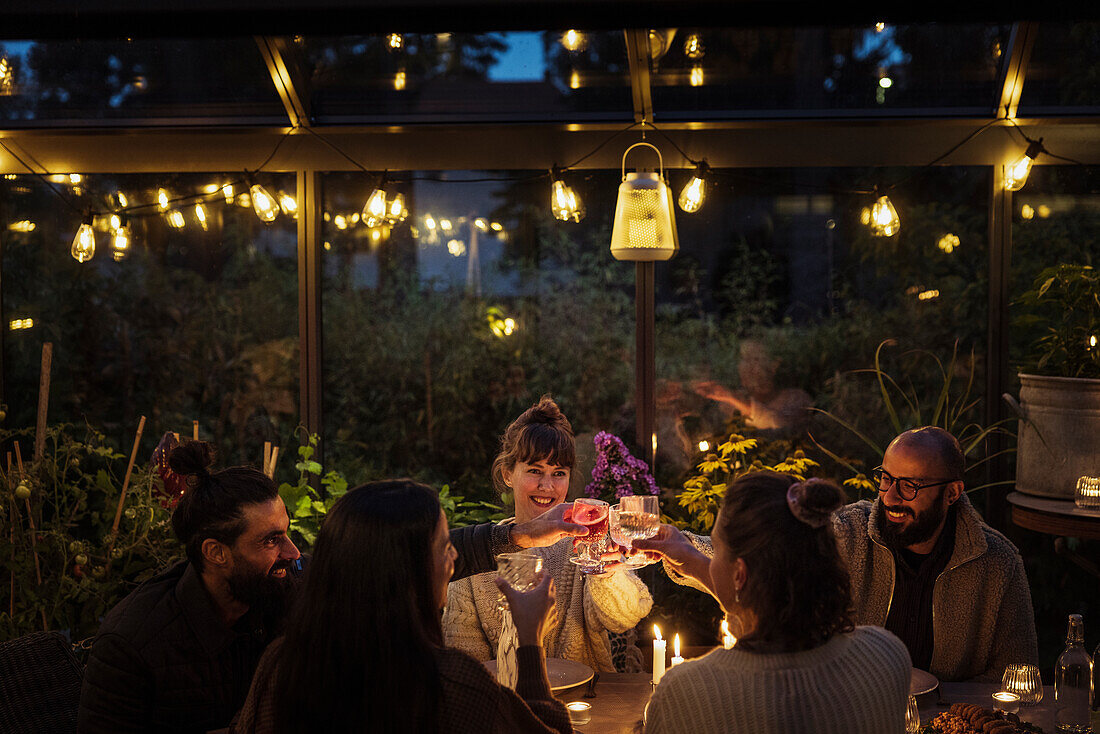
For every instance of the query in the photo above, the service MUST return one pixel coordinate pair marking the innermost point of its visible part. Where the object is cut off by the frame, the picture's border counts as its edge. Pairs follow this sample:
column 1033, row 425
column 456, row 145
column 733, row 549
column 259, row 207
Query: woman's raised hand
column 533, row 612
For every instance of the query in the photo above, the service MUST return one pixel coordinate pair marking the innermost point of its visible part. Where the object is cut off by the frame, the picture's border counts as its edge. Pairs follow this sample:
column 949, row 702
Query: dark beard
column 262, row 592
column 922, row 529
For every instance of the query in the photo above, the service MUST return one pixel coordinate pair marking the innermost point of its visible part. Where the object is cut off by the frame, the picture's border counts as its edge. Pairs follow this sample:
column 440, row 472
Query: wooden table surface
column 621, row 698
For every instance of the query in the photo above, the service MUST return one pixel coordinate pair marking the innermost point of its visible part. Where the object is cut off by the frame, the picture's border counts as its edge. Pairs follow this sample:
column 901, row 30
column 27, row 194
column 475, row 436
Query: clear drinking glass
column 639, row 516
column 615, row 528
column 1025, row 681
column 590, row 549
column 912, row 717
column 521, row 570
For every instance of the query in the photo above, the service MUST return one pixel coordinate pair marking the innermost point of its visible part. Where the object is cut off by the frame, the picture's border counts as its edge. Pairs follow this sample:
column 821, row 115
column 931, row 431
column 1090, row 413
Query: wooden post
column 126, row 484
column 43, row 400
column 270, row 470
column 195, row 430
column 15, row 509
column 267, row 456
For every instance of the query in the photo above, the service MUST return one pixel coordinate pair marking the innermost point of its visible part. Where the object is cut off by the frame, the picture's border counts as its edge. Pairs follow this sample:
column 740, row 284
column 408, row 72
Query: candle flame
column 656, row 632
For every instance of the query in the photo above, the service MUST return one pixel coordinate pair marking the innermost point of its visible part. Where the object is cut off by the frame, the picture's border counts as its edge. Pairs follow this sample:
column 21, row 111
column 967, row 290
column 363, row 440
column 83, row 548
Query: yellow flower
column 860, row 483
column 737, row 444
column 712, row 464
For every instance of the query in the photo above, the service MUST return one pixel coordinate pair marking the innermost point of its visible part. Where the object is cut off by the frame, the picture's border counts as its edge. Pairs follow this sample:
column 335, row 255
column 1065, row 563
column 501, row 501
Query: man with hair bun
column 926, row 566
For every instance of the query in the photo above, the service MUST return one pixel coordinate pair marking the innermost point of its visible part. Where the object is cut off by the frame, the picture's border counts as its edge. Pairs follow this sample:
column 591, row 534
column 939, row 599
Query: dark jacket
column 164, row 660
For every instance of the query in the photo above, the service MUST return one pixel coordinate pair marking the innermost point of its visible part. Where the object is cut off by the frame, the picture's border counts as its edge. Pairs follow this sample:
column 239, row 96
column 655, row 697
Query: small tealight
column 1006, row 701
column 580, row 712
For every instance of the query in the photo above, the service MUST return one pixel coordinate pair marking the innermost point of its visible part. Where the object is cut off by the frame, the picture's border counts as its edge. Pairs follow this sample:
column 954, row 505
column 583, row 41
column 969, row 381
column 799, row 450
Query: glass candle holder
column 1087, row 496
column 912, row 716
column 1024, row 681
column 1006, row 701
column 580, row 712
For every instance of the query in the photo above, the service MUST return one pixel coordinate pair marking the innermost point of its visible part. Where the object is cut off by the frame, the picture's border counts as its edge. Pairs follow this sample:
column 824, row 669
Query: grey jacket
column 982, row 618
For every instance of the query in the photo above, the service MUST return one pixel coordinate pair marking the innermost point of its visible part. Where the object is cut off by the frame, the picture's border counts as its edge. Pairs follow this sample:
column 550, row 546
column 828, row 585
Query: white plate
column 562, row 673
column 921, row 682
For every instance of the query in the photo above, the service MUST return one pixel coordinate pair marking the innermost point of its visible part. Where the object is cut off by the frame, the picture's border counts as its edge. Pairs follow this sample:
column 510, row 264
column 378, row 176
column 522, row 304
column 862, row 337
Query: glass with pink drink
column 590, row 548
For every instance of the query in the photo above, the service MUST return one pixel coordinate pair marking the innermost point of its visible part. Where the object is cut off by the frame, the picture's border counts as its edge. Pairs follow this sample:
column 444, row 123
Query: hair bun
column 545, row 411
column 193, row 458
column 812, row 501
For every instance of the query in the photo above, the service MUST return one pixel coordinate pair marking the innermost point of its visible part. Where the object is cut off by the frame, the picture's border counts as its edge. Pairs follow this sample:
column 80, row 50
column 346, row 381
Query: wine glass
column 639, row 516
column 615, row 529
column 521, row 570
column 1025, row 681
column 590, row 549
column 912, row 716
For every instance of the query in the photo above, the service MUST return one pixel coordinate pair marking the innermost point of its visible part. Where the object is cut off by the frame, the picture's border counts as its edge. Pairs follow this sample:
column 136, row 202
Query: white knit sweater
column 856, row 683
column 587, row 608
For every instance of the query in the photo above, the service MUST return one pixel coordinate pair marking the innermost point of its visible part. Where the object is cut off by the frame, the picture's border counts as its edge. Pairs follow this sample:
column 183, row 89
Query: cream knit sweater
column 587, row 607
column 856, row 683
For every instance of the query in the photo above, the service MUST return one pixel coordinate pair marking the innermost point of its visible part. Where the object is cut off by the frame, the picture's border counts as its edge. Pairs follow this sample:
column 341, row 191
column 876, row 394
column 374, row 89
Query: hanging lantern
column 644, row 228
column 884, row 218
column 1016, row 174
column 263, row 203
column 564, row 202
column 695, row 192
column 84, row 242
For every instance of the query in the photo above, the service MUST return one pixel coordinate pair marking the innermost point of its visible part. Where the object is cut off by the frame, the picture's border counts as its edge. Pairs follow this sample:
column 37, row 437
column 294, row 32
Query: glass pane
column 197, row 322
column 470, row 76
column 921, row 69
column 1063, row 69
column 112, row 80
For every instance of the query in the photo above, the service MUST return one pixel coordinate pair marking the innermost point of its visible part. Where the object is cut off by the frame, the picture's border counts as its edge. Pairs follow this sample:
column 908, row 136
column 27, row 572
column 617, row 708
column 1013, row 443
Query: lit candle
column 580, row 712
column 728, row 640
column 658, row 655
column 1006, row 701
column 676, row 659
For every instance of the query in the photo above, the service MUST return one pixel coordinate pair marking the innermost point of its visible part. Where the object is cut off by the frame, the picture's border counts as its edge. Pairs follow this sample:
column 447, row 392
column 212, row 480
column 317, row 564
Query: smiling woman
column 536, row 458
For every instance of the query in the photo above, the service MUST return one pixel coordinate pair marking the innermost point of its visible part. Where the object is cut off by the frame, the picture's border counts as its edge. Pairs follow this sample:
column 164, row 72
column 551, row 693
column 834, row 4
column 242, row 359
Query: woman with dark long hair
column 799, row 664
column 364, row 648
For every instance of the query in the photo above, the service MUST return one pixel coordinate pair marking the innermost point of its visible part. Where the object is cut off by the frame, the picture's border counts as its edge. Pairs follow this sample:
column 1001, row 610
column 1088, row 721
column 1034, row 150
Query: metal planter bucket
column 1060, row 440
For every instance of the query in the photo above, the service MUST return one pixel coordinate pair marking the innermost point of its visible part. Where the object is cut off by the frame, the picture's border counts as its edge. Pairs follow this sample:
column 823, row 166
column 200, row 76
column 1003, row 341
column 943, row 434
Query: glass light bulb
column 481, row 224
column 263, row 203
column 693, row 195
column 574, row 80
column 429, row 222
column 200, row 215
column 696, row 79
column 399, row 80
column 1016, row 174
column 120, row 243
column 23, row 225
column 121, row 199
column 574, row 41
column 83, row 243
column 693, row 47
column 396, row 41
column 115, row 221
column 162, row 199
column 227, row 192
column 340, row 221
column 289, row 205
column 445, row 225
column 884, row 218
column 564, row 203
column 175, row 219
column 397, row 211
column 374, row 211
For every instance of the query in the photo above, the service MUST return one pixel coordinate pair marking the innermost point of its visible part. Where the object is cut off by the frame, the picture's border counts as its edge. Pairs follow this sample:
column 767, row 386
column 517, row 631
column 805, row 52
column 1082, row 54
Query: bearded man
column 925, row 566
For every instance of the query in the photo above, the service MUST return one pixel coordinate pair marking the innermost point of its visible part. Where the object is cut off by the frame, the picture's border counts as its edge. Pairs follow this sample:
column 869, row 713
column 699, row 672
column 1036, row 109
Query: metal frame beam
column 310, row 331
column 1020, row 44
column 638, row 57
column 286, row 77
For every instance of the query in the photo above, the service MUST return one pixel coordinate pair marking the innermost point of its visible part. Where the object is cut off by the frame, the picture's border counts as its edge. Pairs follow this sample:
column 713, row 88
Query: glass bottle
column 1073, row 681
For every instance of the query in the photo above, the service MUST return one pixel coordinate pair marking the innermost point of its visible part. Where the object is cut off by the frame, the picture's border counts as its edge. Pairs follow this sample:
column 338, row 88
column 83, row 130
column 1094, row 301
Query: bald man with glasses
column 925, row 566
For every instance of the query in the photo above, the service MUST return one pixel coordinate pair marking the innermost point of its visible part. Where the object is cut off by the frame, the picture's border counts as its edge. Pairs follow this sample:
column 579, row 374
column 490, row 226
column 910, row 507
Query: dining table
column 619, row 700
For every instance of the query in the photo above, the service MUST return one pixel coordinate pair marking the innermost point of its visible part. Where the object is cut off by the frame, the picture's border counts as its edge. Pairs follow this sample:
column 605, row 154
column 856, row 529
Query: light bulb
column 573, row 41
column 696, row 78
column 23, row 225
column 244, row 200
column 289, row 205
column 211, row 188
column 200, row 214
column 340, row 221
column 374, row 211
column 695, row 192
column 704, row 446
column 456, row 247
column 120, row 242
column 693, row 46
column 1027, row 212
column 114, row 222
column 162, row 199
column 399, row 80
column 396, row 41
column 397, row 210
column 948, row 243
column 564, row 203
column 84, row 242
column 884, row 218
column 227, row 192
column 120, row 197
column 75, row 178
column 496, row 226
column 429, row 222
column 574, row 80
column 445, row 225
column 175, row 219
column 481, row 224
column 263, row 203
column 1016, row 174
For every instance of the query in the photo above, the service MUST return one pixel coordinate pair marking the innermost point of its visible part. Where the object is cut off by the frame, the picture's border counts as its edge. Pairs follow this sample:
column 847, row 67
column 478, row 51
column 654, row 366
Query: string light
column 564, row 202
column 695, row 192
column 574, row 80
column 227, row 192
column 884, row 218
column 340, row 222
column 263, row 203
column 23, row 225
column 399, row 80
column 175, row 219
column 948, row 243
column 928, row 295
column 704, row 446
column 445, row 225
column 396, row 41
column 456, row 247
column 374, row 211
column 396, row 211
column 289, row 205
column 121, row 199
column 200, row 215
column 1016, row 173
column 120, row 241
column 693, row 47
column 574, row 41
column 20, row 324
column 696, row 77
column 1026, row 212
column 7, row 77
column 83, row 248
column 162, row 199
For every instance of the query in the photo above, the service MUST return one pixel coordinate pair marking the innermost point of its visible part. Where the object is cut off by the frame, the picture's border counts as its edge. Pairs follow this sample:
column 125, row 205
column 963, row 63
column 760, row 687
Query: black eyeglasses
column 907, row 487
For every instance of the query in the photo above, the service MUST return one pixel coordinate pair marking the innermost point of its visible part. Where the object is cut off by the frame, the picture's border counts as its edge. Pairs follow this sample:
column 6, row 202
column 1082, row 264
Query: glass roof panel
column 1064, row 70
column 425, row 77
column 928, row 69
column 169, row 79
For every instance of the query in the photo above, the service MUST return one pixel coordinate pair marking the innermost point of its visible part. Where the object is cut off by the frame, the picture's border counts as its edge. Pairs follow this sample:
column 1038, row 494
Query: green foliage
column 307, row 508
column 461, row 511
column 85, row 569
column 702, row 494
column 1064, row 302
